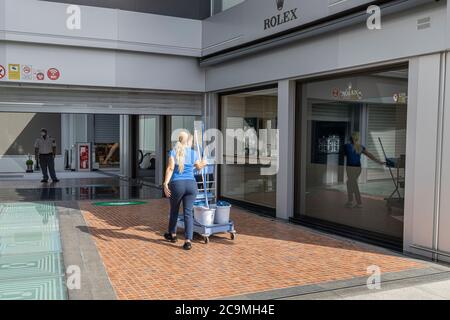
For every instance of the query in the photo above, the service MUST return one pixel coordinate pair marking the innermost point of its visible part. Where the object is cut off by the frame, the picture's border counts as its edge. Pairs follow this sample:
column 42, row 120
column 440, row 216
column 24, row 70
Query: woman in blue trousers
column 180, row 186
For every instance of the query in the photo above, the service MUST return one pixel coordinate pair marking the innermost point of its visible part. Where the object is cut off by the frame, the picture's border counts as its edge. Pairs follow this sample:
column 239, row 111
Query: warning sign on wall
column 14, row 71
column 53, row 74
column 27, row 72
column 38, row 75
column 2, row 72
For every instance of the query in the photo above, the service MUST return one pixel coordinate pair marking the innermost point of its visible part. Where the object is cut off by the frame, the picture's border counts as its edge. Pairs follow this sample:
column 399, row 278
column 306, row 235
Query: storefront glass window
column 253, row 114
column 351, row 151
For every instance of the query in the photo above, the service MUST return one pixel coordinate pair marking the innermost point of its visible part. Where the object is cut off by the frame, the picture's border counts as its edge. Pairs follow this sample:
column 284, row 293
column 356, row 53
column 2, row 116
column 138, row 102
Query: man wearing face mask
column 45, row 151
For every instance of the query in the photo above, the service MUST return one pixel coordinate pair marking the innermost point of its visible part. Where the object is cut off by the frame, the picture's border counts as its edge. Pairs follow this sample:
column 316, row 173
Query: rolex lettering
column 280, row 18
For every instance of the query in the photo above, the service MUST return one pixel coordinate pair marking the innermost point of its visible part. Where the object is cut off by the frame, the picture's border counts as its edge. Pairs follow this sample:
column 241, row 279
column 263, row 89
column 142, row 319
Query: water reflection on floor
column 77, row 189
column 31, row 266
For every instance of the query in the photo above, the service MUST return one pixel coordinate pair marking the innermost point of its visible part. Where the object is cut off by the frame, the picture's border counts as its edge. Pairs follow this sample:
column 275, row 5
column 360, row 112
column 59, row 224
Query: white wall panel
column 106, row 68
column 422, row 136
column 286, row 126
column 45, row 22
column 157, row 71
column 351, row 47
column 246, row 22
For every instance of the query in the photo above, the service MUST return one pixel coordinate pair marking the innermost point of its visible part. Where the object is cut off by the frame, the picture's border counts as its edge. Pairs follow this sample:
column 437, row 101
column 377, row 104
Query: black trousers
column 47, row 162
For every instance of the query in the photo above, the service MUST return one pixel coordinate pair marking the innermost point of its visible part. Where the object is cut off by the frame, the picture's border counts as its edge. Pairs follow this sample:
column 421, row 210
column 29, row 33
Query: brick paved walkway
column 267, row 255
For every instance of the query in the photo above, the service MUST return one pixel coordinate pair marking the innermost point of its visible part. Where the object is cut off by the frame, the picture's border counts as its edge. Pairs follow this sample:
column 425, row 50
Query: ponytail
column 356, row 143
column 180, row 154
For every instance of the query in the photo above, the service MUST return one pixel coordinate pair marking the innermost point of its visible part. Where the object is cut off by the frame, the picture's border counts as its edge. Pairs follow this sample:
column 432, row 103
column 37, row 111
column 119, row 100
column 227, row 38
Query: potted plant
column 29, row 164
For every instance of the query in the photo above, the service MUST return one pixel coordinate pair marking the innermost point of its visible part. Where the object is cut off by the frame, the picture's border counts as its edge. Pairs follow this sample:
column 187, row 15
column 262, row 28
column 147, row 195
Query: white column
column 160, row 152
column 125, row 146
column 286, row 126
column 422, row 165
column 65, row 140
column 65, row 132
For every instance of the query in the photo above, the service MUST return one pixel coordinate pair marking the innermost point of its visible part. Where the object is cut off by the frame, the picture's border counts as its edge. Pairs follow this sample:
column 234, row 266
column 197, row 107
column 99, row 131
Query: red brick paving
column 267, row 255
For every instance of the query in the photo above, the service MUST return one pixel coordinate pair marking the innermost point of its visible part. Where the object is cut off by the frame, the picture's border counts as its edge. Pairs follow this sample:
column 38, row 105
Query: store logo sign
column 280, row 18
column 280, row 4
column 349, row 93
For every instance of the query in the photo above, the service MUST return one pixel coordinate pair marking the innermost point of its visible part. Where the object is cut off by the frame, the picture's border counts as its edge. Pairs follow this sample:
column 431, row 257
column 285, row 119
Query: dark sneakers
column 170, row 237
column 55, row 181
column 44, row 181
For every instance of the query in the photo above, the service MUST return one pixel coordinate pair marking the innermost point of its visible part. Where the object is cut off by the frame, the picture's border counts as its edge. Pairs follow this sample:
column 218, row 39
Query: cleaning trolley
column 210, row 216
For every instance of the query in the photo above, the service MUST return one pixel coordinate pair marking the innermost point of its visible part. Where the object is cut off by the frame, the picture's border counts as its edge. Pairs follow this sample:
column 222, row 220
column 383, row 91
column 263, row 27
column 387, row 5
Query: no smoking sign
column 2, row 72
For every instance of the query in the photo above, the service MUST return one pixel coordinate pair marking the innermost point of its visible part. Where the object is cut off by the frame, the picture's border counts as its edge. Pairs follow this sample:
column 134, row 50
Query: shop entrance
column 96, row 134
column 105, row 140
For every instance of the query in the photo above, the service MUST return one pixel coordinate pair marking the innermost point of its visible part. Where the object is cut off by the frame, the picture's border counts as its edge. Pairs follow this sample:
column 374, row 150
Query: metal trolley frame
column 207, row 192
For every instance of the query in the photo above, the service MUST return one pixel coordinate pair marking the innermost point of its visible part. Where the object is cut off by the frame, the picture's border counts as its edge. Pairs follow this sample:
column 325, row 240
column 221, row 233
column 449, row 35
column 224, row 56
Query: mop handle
column 382, row 148
column 203, row 178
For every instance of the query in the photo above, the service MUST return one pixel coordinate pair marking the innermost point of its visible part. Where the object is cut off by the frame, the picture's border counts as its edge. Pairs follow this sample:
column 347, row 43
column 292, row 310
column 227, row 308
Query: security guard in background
column 45, row 151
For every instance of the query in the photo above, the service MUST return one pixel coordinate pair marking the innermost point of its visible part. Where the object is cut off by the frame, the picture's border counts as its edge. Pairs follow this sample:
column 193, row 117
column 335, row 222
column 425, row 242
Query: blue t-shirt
column 353, row 157
column 189, row 160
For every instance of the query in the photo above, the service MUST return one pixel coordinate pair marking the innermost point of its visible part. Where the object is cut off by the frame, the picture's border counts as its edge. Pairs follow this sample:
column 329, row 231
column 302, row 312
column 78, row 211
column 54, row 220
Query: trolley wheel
column 233, row 236
column 206, row 239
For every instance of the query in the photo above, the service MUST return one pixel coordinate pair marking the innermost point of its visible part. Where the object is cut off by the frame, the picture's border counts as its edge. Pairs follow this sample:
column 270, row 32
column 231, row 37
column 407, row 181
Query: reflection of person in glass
column 353, row 152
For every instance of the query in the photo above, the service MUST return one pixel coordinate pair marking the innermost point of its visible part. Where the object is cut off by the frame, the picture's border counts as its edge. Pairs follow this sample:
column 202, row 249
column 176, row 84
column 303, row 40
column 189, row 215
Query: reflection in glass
column 352, row 139
column 353, row 152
